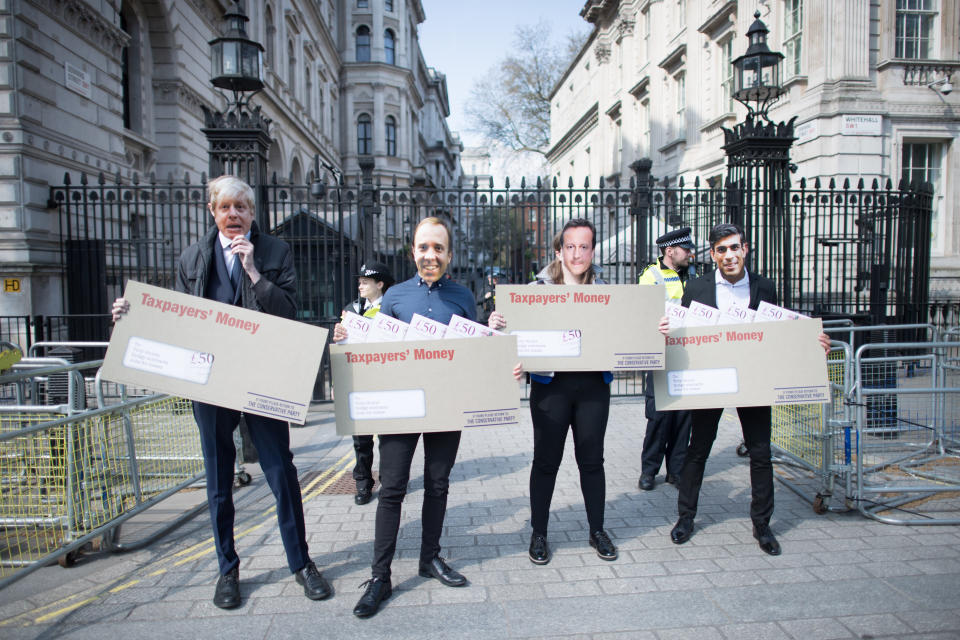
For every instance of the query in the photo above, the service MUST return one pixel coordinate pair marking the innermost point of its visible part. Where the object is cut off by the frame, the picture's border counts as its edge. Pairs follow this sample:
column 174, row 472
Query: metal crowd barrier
column 889, row 438
column 69, row 474
column 811, row 436
column 907, row 465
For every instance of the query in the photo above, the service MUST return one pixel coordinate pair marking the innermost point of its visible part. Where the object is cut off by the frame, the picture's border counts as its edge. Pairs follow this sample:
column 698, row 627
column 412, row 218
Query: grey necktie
column 235, row 273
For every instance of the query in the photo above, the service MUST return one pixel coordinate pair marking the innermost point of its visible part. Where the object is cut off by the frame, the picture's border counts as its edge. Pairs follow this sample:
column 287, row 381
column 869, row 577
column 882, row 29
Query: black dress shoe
column 768, row 543
column 682, row 530
column 377, row 591
column 227, row 593
column 647, row 482
column 672, row 479
column 315, row 586
column 363, row 496
column 600, row 541
column 439, row 569
column 539, row 549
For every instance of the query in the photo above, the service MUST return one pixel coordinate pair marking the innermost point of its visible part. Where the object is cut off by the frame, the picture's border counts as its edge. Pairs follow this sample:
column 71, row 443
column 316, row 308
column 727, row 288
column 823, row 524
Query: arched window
column 389, row 47
column 364, row 135
column 391, row 131
column 363, row 43
column 271, row 34
column 291, row 68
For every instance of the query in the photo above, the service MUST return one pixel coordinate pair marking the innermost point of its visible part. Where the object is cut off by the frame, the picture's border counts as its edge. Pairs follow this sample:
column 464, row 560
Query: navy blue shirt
column 438, row 301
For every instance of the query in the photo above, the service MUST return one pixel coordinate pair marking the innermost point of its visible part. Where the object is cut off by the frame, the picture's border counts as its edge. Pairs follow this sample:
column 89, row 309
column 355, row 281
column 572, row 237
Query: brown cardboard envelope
column 215, row 353
column 743, row 365
column 425, row 385
column 607, row 327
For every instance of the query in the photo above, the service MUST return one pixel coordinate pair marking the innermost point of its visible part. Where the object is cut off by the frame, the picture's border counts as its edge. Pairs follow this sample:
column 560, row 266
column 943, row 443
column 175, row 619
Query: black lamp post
column 239, row 136
column 758, row 162
column 756, row 74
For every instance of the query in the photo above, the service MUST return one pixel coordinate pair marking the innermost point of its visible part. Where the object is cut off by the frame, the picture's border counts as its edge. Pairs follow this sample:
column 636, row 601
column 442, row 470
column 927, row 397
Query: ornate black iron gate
column 860, row 252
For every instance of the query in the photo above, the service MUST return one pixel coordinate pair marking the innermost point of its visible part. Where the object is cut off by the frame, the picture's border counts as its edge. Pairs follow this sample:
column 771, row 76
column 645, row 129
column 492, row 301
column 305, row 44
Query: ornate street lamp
column 236, row 60
column 758, row 161
column 239, row 136
column 756, row 74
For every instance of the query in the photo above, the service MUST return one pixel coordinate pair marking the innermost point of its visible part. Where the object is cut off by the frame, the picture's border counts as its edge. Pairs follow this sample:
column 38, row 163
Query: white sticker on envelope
column 168, row 360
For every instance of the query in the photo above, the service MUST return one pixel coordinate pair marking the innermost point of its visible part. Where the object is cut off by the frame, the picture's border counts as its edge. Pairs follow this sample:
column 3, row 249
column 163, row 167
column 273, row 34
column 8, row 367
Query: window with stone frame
column 364, row 135
column 645, row 128
column 291, row 68
column 271, row 37
column 792, row 37
column 680, row 101
column 363, row 43
column 308, row 89
column 363, row 4
column 388, row 5
column 922, row 161
column 916, row 23
column 726, row 76
column 389, row 47
column 321, row 114
column 391, row 136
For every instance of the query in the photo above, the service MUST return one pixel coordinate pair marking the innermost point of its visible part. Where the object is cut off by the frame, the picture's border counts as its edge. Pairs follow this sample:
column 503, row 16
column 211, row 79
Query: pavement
column 840, row 576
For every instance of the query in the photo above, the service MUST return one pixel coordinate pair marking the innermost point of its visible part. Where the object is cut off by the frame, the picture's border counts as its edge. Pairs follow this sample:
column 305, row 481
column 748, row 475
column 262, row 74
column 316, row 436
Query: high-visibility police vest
column 372, row 311
column 657, row 273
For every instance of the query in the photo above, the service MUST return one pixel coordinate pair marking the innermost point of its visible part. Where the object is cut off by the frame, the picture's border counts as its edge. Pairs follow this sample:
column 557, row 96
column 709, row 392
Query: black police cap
column 378, row 271
column 677, row 238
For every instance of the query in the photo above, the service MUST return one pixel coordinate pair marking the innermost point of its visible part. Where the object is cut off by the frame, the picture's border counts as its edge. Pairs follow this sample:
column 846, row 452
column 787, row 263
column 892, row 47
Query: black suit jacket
column 704, row 290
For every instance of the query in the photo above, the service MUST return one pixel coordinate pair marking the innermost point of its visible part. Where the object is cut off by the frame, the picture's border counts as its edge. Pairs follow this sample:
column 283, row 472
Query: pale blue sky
column 463, row 39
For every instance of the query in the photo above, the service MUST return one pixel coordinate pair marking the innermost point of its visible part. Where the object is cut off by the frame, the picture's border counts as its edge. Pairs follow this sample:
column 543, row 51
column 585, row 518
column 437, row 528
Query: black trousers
column 272, row 440
column 363, row 470
column 667, row 436
column 573, row 400
column 396, row 455
column 755, row 423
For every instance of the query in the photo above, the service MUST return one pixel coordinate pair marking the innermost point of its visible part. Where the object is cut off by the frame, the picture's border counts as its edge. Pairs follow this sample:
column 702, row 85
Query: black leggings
column 580, row 401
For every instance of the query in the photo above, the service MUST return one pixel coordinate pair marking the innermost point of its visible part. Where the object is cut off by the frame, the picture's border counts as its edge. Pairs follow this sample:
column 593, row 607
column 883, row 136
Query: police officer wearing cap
column 668, row 432
column 372, row 282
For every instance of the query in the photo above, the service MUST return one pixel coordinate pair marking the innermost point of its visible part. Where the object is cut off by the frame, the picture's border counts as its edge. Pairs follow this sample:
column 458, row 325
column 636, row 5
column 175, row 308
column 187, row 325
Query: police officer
column 372, row 282
column 667, row 431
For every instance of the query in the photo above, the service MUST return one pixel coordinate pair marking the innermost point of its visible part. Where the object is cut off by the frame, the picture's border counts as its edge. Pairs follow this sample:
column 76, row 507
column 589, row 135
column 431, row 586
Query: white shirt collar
column 742, row 282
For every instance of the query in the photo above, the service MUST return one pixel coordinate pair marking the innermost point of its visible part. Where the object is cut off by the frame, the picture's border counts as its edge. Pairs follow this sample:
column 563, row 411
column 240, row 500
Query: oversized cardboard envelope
column 743, row 365
column 425, row 385
column 215, row 353
column 585, row 327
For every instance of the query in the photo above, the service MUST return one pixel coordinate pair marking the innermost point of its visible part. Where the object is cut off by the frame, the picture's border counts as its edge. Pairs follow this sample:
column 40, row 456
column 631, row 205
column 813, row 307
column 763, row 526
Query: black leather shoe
column 363, row 496
column 672, row 479
column 315, row 586
column 768, row 543
column 539, row 549
column 227, row 593
column 439, row 569
column 682, row 530
column 600, row 541
column 377, row 591
column 647, row 483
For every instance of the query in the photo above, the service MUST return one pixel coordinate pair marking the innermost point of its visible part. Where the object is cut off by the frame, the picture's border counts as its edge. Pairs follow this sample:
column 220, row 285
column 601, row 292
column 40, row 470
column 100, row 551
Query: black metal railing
column 834, row 251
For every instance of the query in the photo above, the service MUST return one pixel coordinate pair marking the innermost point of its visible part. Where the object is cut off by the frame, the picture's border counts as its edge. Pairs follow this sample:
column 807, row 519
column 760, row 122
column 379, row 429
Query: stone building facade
column 119, row 86
column 865, row 80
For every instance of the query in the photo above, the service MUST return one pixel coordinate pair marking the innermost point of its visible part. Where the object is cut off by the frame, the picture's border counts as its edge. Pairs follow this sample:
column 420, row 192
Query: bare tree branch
column 510, row 105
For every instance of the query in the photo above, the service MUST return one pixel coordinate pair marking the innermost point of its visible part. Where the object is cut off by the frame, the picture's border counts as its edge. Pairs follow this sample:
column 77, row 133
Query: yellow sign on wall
column 12, row 285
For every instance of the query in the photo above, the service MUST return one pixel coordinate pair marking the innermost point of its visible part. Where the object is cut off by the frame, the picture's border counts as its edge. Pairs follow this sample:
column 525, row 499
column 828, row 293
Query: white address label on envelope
column 548, row 344
column 694, row 382
column 168, row 360
column 378, row 405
